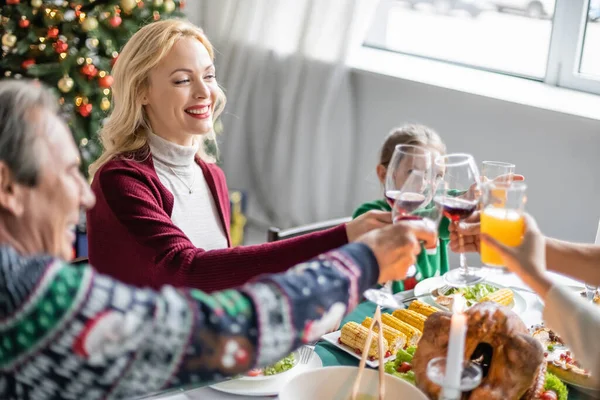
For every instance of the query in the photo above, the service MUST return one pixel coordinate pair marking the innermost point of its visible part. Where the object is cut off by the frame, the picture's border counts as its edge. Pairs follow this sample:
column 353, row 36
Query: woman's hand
column 527, row 260
column 367, row 222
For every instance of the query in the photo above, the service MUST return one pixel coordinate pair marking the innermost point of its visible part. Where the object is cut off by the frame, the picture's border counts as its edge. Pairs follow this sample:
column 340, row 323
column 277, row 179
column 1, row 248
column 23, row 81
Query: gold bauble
column 105, row 104
column 65, row 84
column 157, row 3
column 9, row 40
column 89, row 24
column 128, row 5
column 169, row 6
column 36, row 3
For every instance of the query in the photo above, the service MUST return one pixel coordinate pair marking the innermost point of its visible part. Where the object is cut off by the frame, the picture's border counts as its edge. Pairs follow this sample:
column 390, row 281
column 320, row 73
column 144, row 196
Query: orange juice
column 504, row 225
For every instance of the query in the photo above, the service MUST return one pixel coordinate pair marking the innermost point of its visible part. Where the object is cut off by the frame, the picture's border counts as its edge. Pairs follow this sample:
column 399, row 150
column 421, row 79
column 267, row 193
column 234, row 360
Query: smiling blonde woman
column 162, row 215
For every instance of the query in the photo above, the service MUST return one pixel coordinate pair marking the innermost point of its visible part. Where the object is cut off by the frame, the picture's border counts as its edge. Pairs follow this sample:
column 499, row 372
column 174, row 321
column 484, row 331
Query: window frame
column 567, row 41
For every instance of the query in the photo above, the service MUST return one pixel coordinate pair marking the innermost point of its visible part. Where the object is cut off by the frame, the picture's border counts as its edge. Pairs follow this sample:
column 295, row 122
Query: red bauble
column 53, row 33
column 89, row 70
column 12, row 2
column 115, row 21
column 60, row 46
column 85, row 110
column 27, row 63
column 24, row 23
column 106, row 81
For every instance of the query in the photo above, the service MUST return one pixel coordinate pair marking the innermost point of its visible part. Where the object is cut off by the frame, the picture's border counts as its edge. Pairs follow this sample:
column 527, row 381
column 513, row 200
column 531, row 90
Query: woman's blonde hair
column 126, row 129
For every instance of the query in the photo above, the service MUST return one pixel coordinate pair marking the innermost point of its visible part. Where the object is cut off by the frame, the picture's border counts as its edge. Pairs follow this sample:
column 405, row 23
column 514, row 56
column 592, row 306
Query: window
column 555, row 41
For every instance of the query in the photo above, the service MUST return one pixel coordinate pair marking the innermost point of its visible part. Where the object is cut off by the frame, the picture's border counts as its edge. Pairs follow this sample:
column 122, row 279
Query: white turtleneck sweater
column 194, row 213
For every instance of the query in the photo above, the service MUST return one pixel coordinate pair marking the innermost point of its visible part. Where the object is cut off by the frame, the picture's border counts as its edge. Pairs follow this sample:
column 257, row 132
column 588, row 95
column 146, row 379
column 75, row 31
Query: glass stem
column 462, row 256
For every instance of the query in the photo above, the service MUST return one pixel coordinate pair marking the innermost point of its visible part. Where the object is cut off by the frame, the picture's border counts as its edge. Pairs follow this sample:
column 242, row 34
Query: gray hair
column 18, row 99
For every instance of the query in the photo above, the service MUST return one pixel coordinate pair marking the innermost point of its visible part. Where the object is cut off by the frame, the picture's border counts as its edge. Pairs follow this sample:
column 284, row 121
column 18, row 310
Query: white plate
column 333, row 338
column 335, row 383
column 519, row 305
column 266, row 387
column 269, row 377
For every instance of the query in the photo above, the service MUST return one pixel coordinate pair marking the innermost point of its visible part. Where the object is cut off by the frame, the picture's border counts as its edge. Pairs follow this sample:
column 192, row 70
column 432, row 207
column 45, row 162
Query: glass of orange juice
column 503, row 204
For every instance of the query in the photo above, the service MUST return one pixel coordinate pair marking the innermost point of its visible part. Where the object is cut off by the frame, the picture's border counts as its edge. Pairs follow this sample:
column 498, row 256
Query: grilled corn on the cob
column 412, row 334
column 396, row 339
column 355, row 336
column 422, row 308
column 412, row 318
column 503, row 296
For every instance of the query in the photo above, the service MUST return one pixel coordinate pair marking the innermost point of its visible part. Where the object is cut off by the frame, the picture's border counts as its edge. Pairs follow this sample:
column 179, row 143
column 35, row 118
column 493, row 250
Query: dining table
column 332, row 356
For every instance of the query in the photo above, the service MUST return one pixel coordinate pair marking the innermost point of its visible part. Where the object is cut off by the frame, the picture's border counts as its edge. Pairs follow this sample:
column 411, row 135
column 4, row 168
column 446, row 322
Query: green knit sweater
column 428, row 264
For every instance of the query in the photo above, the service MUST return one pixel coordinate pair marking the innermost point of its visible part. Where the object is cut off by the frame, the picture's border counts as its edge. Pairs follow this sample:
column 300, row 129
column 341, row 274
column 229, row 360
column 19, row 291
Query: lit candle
column 456, row 351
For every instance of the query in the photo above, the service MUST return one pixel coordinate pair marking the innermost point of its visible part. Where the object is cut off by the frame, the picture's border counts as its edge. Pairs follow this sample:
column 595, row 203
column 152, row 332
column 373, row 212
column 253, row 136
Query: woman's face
column 182, row 93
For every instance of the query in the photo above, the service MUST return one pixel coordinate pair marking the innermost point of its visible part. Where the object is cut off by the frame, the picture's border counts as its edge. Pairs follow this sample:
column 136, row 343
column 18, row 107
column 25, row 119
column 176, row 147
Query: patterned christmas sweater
column 68, row 332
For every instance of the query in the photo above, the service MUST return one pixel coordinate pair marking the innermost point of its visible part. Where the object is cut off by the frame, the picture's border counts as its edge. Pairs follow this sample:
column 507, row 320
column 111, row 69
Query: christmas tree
column 71, row 46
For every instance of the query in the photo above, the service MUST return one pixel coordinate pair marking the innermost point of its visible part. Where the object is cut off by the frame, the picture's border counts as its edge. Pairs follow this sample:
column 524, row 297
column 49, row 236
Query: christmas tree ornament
column 89, row 24
column 36, row 3
column 69, row 15
column 23, row 22
column 105, row 81
column 156, row 15
column 66, row 84
column 128, row 5
column 92, row 43
column 105, row 104
column 85, row 110
column 60, row 46
column 78, row 100
column 169, row 6
column 157, row 3
column 27, row 63
column 7, row 73
column 89, row 70
column 80, row 60
column 53, row 32
column 115, row 21
column 12, row 2
column 9, row 40
column 83, row 142
column 42, row 46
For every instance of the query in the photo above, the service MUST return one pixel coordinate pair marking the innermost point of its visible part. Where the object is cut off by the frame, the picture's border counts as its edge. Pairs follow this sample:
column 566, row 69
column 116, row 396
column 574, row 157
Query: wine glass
column 458, row 196
column 408, row 180
column 492, row 170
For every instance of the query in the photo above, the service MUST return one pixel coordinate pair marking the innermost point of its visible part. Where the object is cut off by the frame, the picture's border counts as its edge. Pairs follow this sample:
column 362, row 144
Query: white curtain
column 289, row 126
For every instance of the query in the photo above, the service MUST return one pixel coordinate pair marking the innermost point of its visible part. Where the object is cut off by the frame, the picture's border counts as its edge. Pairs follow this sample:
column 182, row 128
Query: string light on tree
column 105, row 104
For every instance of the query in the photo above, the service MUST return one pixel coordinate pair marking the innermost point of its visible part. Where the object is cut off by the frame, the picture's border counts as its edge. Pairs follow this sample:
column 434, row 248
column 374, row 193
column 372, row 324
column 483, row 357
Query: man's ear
column 11, row 192
column 381, row 172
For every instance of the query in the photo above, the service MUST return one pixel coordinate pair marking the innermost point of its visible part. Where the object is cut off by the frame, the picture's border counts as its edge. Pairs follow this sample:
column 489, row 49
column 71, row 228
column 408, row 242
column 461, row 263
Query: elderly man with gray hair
column 68, row 332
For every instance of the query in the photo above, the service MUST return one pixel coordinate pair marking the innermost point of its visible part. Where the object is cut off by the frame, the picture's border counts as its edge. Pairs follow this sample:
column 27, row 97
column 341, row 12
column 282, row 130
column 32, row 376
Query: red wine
column 456, row 208
column 404, row 202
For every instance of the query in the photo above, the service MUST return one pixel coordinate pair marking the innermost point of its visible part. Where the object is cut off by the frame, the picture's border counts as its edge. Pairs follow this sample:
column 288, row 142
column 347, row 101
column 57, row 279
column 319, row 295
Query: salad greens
column 473, row 294
column 406, row 356
column 556, row 385
column 280, row 366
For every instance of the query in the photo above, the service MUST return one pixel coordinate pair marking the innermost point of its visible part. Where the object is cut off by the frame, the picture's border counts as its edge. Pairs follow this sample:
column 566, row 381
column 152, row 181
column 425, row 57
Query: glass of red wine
column 457, row 196
column 408, row 181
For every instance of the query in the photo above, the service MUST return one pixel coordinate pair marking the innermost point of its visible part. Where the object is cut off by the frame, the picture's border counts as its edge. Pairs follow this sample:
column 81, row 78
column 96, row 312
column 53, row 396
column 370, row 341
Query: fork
column 305, row 354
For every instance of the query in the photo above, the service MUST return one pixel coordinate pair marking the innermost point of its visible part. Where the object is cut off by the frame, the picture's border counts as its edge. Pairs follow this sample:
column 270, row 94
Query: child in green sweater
column 429, row 262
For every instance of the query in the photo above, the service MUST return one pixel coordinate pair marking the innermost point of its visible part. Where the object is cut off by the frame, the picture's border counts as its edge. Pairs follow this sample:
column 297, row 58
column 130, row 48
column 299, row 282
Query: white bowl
column 335, row 383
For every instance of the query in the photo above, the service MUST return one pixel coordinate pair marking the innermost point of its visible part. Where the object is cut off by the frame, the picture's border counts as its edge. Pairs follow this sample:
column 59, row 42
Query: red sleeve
column 178, row 262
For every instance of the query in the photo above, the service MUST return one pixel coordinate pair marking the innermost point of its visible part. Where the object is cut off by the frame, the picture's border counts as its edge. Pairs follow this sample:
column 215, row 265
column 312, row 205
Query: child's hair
column 410, row 134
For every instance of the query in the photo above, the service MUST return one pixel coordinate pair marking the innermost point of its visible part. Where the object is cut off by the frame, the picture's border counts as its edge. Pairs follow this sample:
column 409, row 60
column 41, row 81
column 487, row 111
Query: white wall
column 558, row 153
